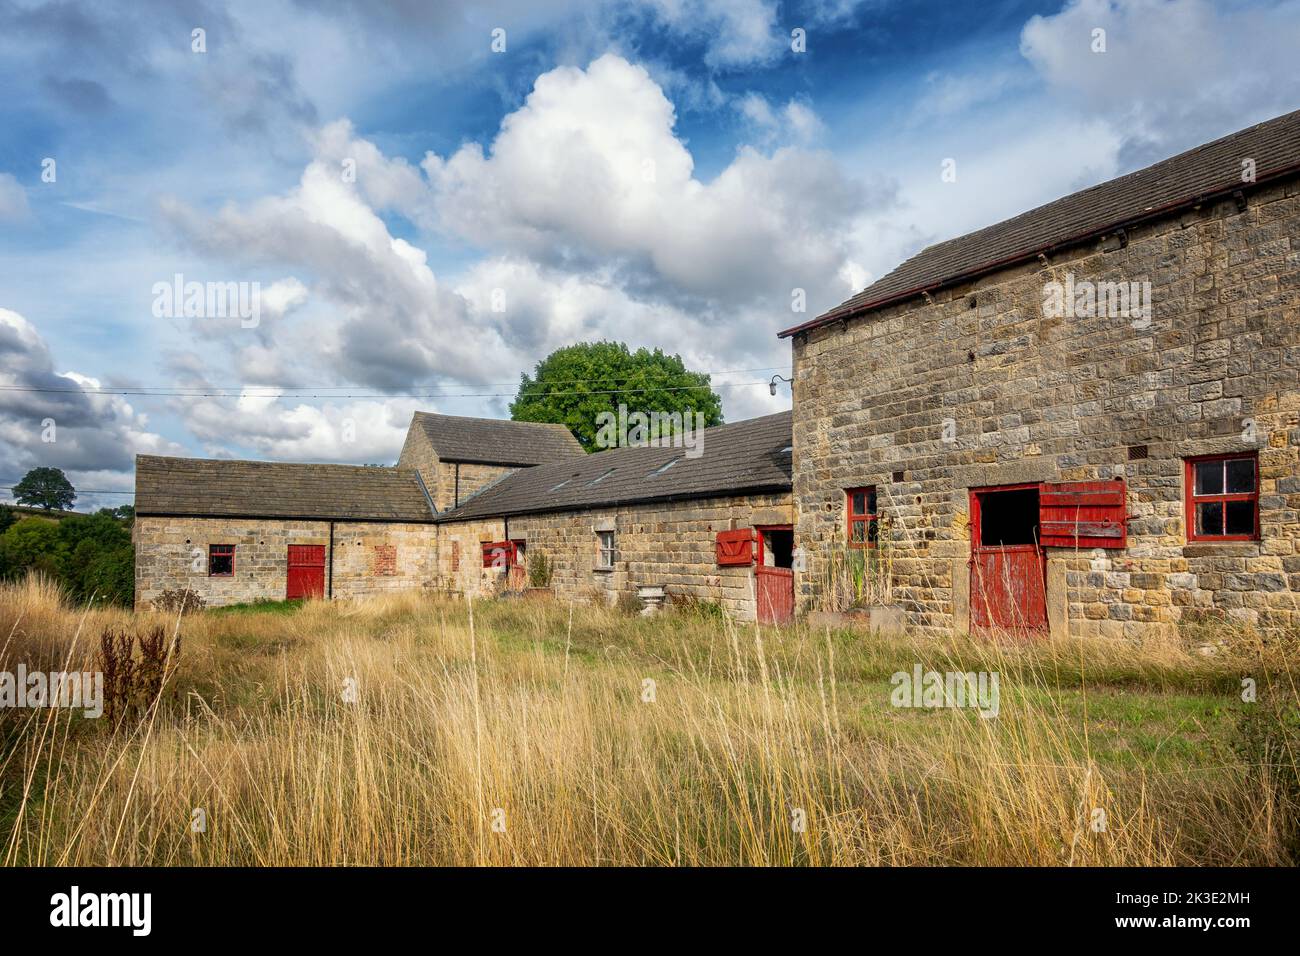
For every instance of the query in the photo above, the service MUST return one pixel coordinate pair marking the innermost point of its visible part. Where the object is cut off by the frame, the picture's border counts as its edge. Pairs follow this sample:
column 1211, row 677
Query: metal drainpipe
column 456, row 494
column 330, row 586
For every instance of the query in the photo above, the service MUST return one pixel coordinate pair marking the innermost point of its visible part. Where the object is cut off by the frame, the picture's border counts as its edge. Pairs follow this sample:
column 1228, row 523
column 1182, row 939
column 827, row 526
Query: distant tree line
column 90, row 555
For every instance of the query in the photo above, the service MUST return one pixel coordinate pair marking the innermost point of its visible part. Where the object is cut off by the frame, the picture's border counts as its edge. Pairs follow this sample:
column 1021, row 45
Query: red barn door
column 306, row 571
column 1008, row 570
column 775, row 588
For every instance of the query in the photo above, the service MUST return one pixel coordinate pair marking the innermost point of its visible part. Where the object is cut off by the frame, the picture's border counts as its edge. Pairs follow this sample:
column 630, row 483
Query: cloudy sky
column 432, row 196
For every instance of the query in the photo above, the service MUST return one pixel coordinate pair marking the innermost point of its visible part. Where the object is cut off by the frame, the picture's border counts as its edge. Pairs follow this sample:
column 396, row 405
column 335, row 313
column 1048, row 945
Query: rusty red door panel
column 775, row 591
column 306, row 576
column 1008, row 588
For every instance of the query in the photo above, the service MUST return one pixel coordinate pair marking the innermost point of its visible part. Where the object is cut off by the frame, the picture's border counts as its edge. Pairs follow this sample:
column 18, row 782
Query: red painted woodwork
column 775, row 593
column 1008, row 588
column 1008, row 582
column 1223, row 497
column 217, row 558
column 1082, row 514
column 860, row 512
column 735, row 548
column 499, row 554
column 306, row 576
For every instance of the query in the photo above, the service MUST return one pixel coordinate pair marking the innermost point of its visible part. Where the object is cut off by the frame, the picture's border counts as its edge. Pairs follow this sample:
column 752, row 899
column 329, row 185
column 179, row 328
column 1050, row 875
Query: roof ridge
column 396, row 469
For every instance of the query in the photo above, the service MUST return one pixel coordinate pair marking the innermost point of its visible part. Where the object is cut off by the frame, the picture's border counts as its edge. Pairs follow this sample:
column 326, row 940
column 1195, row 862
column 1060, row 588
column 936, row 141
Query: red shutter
column 498, row 554
column 735, row 547
column 1082, row 514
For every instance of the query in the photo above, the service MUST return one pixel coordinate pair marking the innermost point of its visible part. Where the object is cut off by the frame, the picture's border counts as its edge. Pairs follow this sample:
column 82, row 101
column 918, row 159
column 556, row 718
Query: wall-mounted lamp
column 771, row 386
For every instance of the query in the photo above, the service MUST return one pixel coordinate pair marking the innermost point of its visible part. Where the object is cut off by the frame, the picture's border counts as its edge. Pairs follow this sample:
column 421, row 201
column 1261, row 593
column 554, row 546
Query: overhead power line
column 331, row 391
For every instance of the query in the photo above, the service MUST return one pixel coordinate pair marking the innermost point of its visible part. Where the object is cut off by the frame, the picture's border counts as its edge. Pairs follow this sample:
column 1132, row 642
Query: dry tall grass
column 522, row 733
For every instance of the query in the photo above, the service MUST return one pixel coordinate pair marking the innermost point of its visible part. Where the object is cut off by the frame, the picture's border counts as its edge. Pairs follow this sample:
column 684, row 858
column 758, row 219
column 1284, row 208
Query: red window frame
column 1192, row 499
column 868, row 517
column 221, row 550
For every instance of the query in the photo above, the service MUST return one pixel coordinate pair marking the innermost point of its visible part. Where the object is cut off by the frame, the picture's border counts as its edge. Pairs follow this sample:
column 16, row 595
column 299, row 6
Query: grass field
column 414, row 730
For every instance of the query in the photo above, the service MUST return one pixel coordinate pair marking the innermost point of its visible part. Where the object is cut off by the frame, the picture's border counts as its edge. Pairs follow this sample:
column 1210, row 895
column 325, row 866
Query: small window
column 455, row 555
column 606, row 553
column 221, row 560
column 662, row 468
column 563, row 483
column 1223, row 498
column 862, row 517
column 598, row 480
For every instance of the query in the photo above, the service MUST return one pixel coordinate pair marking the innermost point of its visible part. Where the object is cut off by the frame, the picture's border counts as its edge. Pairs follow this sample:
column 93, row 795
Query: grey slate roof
column 215, row 488
column 1212, row 169
column 746, row 456
column 495, row 441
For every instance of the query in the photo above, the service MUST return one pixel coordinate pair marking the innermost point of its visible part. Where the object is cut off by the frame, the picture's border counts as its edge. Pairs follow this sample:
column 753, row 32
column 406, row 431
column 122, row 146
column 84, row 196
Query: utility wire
column 236, row 391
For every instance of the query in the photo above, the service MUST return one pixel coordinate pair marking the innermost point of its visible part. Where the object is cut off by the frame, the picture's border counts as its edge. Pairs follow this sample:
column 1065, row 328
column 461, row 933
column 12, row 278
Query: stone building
column 239, row 531
column 467, row 504
column 1082, row 419
column 716, row 526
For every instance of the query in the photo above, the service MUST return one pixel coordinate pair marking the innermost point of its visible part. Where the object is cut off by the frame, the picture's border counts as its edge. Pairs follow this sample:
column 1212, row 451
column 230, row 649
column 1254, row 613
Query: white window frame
column 606, row 554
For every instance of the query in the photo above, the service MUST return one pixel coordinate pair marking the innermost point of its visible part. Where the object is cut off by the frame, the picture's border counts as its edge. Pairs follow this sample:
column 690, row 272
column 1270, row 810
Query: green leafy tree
column 572, row 386
column 7, row 517
column 111, row 577
column 121, row 512
column 85, row 540
column 90, row 555
column 33, row 544
column 46, row 488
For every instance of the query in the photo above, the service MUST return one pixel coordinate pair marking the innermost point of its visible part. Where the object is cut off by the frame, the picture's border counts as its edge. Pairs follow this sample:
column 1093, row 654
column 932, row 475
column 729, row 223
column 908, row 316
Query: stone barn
column 1081, row 420
column 467, row 504
column 629, row 521
column 238, row 531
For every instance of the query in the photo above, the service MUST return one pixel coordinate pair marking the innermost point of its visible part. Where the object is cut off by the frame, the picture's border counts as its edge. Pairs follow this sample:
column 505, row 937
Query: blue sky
column 662, row 172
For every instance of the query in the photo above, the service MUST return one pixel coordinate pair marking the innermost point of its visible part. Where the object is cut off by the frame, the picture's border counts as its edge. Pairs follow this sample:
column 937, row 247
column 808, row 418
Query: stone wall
column 447, row 482
column 458, row 481
column 979, row 387
column 369, row 557
column 670, row 544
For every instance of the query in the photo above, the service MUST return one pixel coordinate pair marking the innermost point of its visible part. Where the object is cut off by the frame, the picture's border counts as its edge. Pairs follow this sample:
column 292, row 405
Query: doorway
column 774, row 573
column 306, row 577
column 1008, row 568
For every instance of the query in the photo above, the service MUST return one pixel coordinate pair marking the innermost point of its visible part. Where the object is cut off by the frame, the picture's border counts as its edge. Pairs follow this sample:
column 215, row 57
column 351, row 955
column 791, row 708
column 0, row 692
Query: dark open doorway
column 1008, row 517
column 778, row 547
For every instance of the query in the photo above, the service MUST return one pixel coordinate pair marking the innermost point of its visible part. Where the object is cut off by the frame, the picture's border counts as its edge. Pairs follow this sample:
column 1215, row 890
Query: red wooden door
column 1008, row 589
column 306, row 571
column 1008, row 569
column 775, row 588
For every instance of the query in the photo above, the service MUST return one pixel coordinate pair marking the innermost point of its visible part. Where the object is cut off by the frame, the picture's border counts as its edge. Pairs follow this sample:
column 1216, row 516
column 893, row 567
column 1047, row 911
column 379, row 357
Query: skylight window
column 596, row 481
column 787, row 449
column 563, row 483
column 662, row 468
